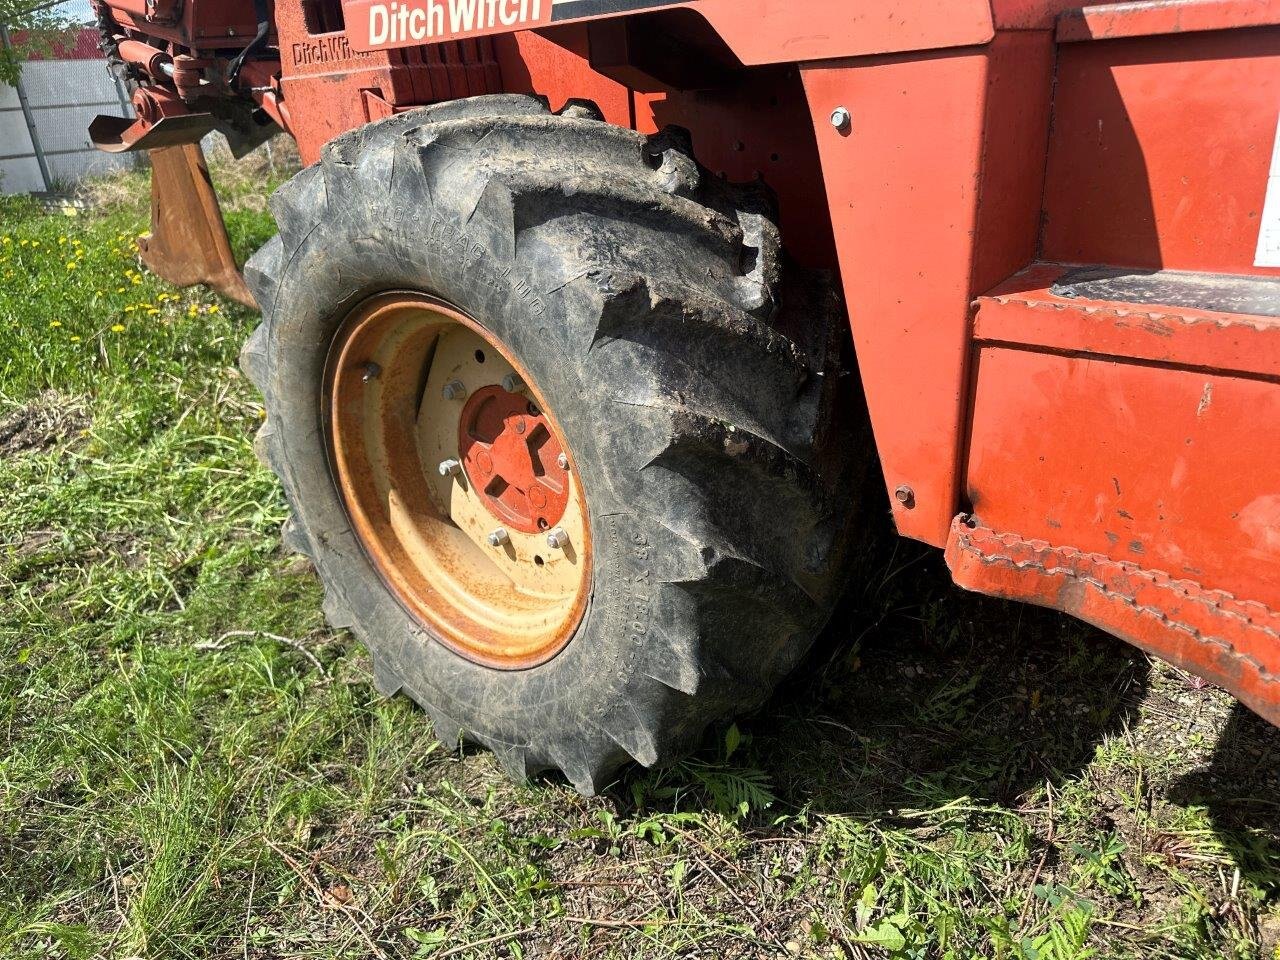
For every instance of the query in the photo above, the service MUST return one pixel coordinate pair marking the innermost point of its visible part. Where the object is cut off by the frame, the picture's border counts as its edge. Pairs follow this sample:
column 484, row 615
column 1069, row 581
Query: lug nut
column 841, row 119
column 450, row 468
column 454, row 390
column 371, row 371
column 512, row 383
column 498, row 537
column 562, row 461
column 557, row 538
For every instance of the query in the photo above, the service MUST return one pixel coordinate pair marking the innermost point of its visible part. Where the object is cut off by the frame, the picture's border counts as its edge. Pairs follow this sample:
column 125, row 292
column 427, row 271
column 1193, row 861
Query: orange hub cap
column 457, row 480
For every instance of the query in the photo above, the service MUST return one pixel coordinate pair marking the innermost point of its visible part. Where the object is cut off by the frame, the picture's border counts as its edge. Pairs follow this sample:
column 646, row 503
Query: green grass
column 945, row 777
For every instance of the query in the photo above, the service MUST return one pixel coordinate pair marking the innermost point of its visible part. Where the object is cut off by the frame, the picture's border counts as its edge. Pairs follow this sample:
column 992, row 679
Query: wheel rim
column 457, row 480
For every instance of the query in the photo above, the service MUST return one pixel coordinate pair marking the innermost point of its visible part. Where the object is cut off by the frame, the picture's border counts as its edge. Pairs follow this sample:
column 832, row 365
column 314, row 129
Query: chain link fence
column 44, row 121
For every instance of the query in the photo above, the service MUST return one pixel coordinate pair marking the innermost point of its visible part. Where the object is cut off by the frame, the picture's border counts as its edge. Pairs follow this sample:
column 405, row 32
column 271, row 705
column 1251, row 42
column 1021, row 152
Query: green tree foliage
column 33, row 28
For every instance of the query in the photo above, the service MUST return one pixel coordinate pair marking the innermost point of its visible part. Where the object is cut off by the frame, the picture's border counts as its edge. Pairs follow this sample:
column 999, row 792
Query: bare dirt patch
column 42, row 424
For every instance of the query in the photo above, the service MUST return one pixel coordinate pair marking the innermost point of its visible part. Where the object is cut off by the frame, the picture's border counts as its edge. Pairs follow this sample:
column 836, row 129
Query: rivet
column 557, row 538
column 454, row 390
column 498, row 537
column 450, row 468
column 841, row 119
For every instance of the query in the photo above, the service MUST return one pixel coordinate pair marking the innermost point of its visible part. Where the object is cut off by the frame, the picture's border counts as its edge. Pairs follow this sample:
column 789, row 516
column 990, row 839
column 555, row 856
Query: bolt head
column 841, row 119
column 454, row 390
column 450, row 468
column 905, row 496
column 512, row 383
column 557, row 538
column 498, row 537
column 562, row 461
column 371, row 372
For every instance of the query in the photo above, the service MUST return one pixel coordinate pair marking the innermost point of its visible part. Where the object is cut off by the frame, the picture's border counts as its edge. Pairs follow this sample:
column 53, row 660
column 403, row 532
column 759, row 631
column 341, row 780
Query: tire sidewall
column 473, row 265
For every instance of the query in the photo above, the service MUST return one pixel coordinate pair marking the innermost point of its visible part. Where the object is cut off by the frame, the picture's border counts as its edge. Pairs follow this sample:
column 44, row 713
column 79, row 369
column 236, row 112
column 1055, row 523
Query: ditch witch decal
column 378, row 24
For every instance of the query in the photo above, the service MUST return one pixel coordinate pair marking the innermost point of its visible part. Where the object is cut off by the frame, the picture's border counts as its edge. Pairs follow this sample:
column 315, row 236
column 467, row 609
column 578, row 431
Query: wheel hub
column 513, row 458
column 457, row 481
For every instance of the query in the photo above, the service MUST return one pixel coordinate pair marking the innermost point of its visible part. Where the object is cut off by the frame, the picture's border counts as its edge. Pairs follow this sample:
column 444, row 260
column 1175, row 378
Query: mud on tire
column 644, row 297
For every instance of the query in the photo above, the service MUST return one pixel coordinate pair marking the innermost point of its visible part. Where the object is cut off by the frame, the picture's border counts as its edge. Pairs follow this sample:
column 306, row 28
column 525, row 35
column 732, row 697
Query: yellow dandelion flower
column 6, row 240
column 75, row 339
column 119, row 289
column 55, row 323
column 61, row 241
column 152, row 312
column 71, row 264
column 213, row 308
column 117, row 328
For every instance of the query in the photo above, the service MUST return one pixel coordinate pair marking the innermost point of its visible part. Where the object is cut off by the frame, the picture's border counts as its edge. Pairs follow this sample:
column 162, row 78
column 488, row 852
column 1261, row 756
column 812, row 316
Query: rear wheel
column 543, row 436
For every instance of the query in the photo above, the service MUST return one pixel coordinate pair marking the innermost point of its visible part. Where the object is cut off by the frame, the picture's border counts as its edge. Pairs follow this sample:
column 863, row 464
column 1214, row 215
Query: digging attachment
column 188, row 243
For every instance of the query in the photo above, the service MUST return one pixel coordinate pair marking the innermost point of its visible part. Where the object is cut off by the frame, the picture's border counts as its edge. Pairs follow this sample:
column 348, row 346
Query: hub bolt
column 454, row 390
column 562, row 461
column 371, row 372
column 512, row 383
column 450, row 468
column 557, row 538
column 841, row 119
column 498, row 537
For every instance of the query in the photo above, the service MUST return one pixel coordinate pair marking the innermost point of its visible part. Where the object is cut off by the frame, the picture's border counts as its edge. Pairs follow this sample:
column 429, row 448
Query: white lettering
column 508, row 14
column 462, row 15
column 378, row 24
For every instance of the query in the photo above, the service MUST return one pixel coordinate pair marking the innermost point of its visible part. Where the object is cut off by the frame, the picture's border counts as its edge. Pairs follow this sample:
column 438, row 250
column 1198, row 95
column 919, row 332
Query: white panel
column 1268, row 252
column 13, row 134
column 53, row 82
column 65, row 96
column 67, row 128
column 20, row 176
column 68, row 168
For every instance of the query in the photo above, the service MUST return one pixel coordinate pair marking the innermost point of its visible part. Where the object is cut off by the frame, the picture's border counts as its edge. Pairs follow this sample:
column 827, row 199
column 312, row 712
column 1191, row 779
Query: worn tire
column 644, row 297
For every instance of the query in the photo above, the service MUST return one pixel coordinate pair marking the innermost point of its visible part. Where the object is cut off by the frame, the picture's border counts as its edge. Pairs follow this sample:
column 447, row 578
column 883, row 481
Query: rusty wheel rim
column 457, row 480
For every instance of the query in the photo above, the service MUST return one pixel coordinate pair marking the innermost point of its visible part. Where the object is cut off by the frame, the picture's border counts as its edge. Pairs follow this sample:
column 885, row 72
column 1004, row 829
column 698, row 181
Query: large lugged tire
column 643, row 298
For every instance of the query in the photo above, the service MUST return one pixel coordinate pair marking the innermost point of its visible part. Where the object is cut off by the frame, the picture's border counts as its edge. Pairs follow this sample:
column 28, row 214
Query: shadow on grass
column 1240, row 790
column 919, row 694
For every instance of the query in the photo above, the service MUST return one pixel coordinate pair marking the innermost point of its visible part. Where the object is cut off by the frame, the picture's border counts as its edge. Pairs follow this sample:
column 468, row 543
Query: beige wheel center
column 457, row 480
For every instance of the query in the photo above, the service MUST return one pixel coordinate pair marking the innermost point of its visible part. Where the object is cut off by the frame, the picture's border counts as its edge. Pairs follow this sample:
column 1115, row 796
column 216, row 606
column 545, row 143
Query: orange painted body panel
column 1174, row 470
column 766, row 31
column 1161, row 150
column 906, row 255
column 1025, row 311
column 1112, row 20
